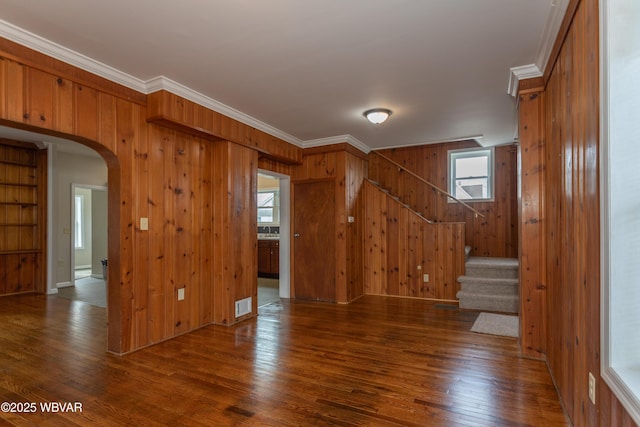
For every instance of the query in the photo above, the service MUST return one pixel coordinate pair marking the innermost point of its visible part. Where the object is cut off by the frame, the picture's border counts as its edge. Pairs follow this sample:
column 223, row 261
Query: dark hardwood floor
column 378, row 361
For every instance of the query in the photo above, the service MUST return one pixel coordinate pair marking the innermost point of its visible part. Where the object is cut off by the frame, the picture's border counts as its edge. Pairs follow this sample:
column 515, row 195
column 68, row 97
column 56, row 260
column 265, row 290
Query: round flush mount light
column 377, row 115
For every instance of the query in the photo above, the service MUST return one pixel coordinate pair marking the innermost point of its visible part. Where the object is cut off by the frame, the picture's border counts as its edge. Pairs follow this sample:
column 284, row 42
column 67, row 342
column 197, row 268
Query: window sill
column 625, row 385
column 471, row 201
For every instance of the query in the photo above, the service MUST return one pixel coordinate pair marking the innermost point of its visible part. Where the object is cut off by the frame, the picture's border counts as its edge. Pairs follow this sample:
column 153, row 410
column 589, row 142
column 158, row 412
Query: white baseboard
column 63, row 285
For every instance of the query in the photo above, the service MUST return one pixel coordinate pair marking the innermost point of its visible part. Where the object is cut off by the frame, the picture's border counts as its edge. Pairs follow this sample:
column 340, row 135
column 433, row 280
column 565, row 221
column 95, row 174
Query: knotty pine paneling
column 569, row 201
column 172, row 110
column 572, row 206
column 20, row 55
column 356, row 172
column 18, row 273
column 158, row 173
column 274, row 166
column 400, row 247
column 533, row 290
column 348, row 167
column 495, row 235
column 235, row 237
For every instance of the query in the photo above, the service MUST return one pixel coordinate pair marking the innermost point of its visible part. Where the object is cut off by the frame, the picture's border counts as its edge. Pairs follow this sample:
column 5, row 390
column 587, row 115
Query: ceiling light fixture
column 377, row 115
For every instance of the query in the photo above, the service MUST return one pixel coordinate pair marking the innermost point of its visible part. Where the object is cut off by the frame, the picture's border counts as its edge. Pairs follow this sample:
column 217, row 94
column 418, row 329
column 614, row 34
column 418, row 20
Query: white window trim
column 78, row 221
column 491, row 172
column 276, row 207
column 620, row 369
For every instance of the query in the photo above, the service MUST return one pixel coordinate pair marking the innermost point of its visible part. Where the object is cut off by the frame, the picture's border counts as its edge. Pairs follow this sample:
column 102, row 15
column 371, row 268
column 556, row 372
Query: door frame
column 74, row 186
column 285, row 232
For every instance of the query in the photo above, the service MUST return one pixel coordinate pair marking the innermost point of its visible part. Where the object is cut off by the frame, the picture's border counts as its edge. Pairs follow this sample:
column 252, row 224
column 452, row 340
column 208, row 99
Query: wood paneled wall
column 572, row 206
column 174, row 111
column 568, row 113
column 496, row 234
column 533, row 289
column 400, row 247
column 236, row 230
column 194, row 187
column 348, row 167
column 356, row 171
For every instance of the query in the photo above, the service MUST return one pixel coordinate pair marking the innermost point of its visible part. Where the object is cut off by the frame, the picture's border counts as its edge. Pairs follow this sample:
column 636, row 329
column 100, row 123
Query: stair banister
column 435, row 187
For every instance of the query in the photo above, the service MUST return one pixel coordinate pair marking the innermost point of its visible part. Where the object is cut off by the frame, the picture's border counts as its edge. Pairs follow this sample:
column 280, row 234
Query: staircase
column 490, row 284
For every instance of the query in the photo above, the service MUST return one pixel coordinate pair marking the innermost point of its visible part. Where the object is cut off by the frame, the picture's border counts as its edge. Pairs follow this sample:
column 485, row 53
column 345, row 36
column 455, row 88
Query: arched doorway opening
column 57, row 246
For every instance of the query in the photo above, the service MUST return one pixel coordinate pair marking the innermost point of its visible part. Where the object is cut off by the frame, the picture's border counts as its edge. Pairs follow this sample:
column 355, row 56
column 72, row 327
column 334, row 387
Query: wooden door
column 314, row 240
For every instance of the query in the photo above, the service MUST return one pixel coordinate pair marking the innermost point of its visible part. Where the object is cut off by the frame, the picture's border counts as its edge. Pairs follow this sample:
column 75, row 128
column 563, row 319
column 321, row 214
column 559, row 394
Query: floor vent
column 243, row 307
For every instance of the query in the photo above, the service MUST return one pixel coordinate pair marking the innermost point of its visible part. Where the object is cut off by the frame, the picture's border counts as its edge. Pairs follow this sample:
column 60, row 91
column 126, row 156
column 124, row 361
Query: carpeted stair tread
column 490, row 284
column 477, row 261
column 492, row 267
column 481, row 279
column 498, row 303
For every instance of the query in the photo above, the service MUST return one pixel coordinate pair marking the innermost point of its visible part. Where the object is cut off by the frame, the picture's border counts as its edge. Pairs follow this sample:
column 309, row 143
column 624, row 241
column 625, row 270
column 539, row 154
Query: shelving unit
column 18, row 200
column 22, row 216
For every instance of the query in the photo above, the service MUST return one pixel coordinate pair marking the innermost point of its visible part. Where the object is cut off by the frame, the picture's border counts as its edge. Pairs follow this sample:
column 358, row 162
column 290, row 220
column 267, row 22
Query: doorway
column 273, row 219
column 89, row 224
column 89, row 230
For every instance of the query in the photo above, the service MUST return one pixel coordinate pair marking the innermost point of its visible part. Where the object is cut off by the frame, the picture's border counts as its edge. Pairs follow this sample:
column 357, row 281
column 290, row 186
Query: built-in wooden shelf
column 24, row 251
column 19, row 203
column 15, row 184
column 23, row 214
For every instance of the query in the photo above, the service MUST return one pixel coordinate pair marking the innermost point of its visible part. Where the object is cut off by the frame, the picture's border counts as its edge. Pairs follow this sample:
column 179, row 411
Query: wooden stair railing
column 424, row 181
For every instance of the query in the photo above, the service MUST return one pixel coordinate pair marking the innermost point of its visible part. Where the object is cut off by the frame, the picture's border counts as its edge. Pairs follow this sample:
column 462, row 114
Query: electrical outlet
column 180, row 294
column 144, row 224
column 425, row 278
column 592, row 388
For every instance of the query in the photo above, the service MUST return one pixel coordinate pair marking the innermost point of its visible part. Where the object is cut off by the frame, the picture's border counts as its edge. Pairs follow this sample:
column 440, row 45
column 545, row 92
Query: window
column 471, row 174
column 79, row 221
column 620, row 200
column 268, row 207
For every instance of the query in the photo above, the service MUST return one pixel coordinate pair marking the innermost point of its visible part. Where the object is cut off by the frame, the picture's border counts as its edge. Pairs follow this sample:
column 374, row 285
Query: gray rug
column 496, row 324
column 89, row 290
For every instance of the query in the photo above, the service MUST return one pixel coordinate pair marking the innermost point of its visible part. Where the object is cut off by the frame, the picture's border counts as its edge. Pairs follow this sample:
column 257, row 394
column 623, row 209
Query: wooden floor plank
column 378, row 361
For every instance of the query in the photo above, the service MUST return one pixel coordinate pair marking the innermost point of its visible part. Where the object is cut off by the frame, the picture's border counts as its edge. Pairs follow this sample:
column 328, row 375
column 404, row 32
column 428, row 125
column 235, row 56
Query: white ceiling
column 305, row 70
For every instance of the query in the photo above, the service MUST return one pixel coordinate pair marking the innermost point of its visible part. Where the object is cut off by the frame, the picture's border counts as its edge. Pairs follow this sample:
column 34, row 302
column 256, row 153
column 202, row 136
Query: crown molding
column 163, row 83
column 521, row 73
column 337, row 140
column 54, row 50
column 550, row 33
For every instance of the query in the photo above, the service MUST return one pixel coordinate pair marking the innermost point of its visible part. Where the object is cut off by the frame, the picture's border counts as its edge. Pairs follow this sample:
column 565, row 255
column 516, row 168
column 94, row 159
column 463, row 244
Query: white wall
column 83, row 255
column 69, row 169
